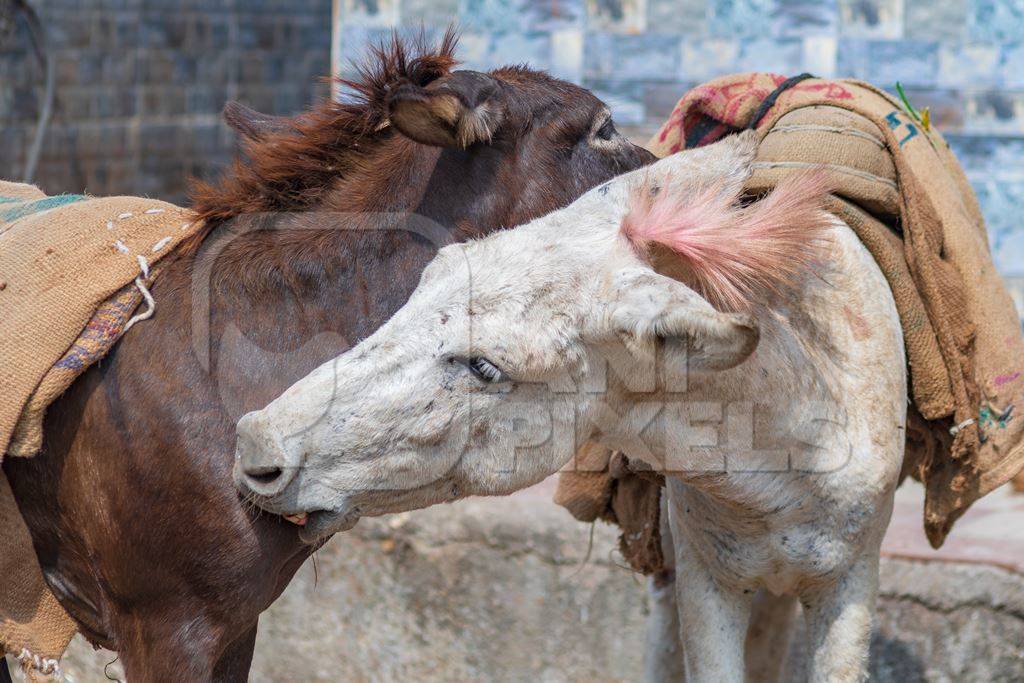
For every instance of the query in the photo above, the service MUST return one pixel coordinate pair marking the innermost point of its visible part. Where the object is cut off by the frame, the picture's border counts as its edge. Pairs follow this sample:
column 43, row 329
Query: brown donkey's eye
column 607, row 131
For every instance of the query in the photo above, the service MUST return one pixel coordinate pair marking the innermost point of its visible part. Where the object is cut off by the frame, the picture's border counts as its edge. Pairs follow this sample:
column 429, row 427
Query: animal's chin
column 320, row 524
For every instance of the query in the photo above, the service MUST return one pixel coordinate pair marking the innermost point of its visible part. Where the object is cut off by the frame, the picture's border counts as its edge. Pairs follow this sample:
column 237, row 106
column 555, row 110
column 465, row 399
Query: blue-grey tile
column 1001, row 202
column 660, row 99
column 623, row 16
column 485, row 51
column 483, row 16
column 739, row 18
column 987, row 157
column 871, row 18
column 970, row 65
column 625, row 99
column 428, row 12
column 376, row 13
column 997, row 111
column 995, row 20
column 510, row 16
column 533, row 49
column 791, row 18
column 648, row 57
column 707, row 58
column 777, row 56
column 884, row 62
column 852, row 58
column 935, row 19
column 820, row 55
column 686, row 17
column 567, row 54
column 1011, row 66
column 555, row 14
column 353, row 43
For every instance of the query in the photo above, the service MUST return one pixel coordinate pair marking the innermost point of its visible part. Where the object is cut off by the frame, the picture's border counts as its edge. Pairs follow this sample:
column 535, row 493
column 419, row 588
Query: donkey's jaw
column 322, row 524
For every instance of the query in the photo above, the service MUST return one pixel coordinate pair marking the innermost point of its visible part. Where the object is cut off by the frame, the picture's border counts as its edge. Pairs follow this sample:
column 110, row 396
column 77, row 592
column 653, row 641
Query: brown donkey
column 131, row 504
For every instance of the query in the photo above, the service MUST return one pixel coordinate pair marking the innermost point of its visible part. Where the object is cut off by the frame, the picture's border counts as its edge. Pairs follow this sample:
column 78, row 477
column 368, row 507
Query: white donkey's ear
column 645, row 308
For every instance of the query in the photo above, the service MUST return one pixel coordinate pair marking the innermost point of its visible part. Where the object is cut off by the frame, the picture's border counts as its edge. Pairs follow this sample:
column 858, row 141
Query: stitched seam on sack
column 852, row 132
column 832, row 167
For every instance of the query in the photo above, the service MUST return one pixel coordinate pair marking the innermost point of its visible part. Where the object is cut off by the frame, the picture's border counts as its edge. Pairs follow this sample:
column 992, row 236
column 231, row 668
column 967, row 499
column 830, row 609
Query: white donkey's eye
column 485, row 370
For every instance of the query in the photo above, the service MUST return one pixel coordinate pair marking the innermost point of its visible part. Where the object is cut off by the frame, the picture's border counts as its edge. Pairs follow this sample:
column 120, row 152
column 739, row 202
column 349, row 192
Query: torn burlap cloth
column 73, row 270
column 603, row 485
column 899, row 187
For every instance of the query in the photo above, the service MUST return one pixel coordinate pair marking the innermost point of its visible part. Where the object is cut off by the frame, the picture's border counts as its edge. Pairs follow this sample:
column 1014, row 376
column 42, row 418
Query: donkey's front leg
column 663, row 660
column 712, row 619
column 839, row 620
column 768, row 637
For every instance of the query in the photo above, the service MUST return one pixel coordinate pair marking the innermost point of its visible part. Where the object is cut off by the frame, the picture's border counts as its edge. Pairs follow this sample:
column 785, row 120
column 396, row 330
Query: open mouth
column 315, row 525
column 300, row 519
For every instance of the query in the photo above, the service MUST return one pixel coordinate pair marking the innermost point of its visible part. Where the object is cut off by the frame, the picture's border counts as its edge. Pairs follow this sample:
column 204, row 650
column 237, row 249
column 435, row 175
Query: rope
column 141, row 285
column 769, row 101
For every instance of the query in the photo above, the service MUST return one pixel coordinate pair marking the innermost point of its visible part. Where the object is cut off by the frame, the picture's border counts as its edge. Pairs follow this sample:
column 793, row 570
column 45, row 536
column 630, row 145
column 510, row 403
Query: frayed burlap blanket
column 73, row 273
column 899, row 187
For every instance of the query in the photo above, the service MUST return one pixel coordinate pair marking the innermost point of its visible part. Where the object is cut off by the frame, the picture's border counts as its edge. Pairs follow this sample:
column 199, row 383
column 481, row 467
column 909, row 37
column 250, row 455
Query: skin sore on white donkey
column 749, row 349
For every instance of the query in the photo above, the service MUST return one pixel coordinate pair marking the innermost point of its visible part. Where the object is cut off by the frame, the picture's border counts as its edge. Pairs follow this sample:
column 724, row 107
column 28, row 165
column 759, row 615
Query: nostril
column 264, row 475
column 262, row 465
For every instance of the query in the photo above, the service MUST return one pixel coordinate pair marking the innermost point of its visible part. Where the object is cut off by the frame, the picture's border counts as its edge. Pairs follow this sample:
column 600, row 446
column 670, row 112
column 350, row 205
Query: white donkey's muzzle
column 263, row 465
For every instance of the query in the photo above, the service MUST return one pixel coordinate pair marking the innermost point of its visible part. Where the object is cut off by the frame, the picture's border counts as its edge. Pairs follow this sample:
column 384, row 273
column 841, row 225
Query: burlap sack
column 70, row 273
column 604, row 485
column 900, row 188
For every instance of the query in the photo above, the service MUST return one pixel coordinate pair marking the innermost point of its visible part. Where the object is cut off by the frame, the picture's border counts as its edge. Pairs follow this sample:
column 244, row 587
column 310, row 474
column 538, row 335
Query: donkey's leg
column 156, row 659
column 839, row 619
column 233, row 665
column 169, row 646
column 663, row 661
column 768, row 637
column 712, row 619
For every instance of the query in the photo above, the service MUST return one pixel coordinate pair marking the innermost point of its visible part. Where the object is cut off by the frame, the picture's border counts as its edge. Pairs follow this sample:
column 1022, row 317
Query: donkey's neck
column 360, row 250
column 730, row 434
column 290, row 291
column 719, row 430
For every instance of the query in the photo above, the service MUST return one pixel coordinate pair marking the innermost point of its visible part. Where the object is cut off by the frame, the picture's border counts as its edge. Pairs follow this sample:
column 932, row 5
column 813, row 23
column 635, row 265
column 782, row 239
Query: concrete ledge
column 497, row 590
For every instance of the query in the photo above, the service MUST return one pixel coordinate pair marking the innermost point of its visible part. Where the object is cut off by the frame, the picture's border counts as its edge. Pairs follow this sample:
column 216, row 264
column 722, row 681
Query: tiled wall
column 963, row 58
column 140, row 86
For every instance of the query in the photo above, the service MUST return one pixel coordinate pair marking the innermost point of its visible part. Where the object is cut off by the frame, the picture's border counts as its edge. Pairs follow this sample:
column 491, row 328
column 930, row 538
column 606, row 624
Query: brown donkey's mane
column 290, row 169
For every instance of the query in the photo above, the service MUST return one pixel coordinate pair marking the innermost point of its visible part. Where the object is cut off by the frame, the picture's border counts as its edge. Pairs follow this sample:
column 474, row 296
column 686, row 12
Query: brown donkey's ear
column 457, row 111
column 252, row 124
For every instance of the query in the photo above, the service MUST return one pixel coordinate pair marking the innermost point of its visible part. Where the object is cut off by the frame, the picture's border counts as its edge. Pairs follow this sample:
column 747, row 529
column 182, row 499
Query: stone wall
column 140, row 85
column 962, row 58
column 514, row 590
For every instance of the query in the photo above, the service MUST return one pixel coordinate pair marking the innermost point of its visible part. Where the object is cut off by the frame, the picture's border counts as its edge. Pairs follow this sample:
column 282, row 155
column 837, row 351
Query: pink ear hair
column 737, row 255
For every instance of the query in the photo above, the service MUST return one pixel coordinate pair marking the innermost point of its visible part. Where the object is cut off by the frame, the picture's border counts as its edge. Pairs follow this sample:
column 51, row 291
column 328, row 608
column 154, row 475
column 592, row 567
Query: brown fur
column 131, row 506
column 290, row 171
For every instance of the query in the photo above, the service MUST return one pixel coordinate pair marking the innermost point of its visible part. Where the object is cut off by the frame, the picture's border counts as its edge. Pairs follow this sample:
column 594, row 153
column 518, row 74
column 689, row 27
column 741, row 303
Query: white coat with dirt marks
column 766, row 377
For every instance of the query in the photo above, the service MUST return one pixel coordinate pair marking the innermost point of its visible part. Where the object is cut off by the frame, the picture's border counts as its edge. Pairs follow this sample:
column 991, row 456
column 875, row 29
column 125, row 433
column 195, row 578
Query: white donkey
column 781, row 464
